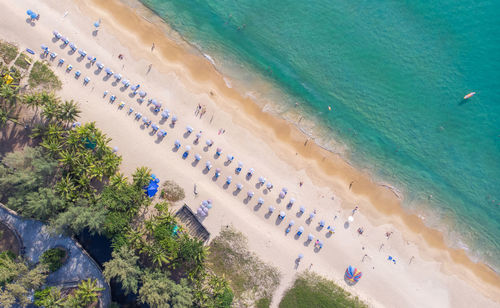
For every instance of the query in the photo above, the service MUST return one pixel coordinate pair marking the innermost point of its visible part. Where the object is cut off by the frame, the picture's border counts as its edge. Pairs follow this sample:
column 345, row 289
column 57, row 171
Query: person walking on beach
column 153, row 47
column 354, row 210
column 198, row 108
column 203, row 111
column 350, row 185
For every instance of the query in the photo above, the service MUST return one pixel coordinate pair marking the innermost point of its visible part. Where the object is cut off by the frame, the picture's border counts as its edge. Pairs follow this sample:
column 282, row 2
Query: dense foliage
column 85, row 294
column 53, row 258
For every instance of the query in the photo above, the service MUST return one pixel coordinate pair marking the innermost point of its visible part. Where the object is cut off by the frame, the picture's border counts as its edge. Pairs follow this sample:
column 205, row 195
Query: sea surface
column 394, row 74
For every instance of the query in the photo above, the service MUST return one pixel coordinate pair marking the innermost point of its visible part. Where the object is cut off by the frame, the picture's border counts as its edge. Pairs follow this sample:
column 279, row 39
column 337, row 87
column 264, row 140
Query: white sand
column 431, row 280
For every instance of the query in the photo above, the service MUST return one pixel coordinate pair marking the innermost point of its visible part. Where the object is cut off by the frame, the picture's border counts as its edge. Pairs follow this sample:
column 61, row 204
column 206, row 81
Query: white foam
column 209, row 58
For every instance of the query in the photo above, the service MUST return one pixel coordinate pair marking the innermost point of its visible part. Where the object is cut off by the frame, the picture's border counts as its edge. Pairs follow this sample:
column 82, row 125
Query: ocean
column 394, row 74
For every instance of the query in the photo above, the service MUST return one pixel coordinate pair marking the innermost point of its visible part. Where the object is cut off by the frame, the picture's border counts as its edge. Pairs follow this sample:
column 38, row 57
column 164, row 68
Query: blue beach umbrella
column 29, row 12
column 152, row 188
column 97, row 24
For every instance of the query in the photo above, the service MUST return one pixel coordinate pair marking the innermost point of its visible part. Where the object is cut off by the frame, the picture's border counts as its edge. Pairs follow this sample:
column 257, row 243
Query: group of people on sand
column 201, row 110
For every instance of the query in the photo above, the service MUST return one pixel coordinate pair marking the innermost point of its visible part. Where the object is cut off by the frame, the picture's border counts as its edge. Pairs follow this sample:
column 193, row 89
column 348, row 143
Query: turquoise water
column 394, row 73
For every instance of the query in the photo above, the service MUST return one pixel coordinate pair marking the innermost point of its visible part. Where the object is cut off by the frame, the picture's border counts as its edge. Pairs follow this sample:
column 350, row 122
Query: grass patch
column 23, row 61
column 53, row 258
column 263, row 303
column 312, row 290
column 42, row 75
column 8, row 52
column 250, row 278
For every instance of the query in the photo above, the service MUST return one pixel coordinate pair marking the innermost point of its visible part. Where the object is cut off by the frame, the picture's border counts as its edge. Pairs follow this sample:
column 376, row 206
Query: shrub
column 42, row 75
column 53, row 258
column 172, row 191
column 23, row 61
column 8, row 52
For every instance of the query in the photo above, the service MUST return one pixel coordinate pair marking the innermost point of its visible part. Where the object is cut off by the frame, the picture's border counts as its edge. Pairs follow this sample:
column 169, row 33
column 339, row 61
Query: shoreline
column 384, row 199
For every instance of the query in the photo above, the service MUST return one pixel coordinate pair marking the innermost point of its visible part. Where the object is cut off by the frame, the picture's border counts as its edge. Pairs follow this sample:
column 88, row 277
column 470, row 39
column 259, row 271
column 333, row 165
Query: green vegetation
column 312, row 290
column 172, row 191
column 8, row 52
column 42, row 75
column 53, row 258
column 17, row 279
column 23, row 61
column 251, row 279
column 84, row 295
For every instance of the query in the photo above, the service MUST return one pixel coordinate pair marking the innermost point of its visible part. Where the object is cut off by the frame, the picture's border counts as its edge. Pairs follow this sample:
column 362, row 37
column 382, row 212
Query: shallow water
column 394, row 74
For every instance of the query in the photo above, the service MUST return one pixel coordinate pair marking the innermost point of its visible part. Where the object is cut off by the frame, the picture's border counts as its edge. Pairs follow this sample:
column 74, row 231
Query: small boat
column 471, row 94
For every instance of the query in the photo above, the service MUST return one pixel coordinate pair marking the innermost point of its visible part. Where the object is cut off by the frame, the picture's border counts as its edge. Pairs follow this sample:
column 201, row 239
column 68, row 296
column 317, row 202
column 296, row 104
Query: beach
column 427, row 272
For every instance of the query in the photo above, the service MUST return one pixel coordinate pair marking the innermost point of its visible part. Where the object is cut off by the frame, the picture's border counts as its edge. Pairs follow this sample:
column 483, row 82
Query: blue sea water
column 394, row 73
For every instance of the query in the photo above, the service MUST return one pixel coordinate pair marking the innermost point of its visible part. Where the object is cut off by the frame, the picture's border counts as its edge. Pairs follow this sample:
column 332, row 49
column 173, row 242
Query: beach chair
column 155, row 127
column 122, row 104
column 78, row 74
column 69, row 68
column 112, row 98
column 130, row 110
column 238, row 169
column 185, row 154
column 53, row 55
column 228, row 180
column 65, row 40
column 61, row 62
column 86, row 80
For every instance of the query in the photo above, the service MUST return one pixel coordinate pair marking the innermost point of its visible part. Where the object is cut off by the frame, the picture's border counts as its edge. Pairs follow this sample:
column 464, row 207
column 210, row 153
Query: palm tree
column 135, row 238
column 118, row 180
column 68, row 112
column 50, row 110
column 141, row 176
column 88, row 292
column 52, row 299
column 66, row 188
column 158, row 256
column 8, row 94
column 7, row 114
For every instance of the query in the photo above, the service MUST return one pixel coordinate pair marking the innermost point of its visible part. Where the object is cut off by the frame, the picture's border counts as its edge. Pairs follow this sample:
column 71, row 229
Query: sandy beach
column 427, row 272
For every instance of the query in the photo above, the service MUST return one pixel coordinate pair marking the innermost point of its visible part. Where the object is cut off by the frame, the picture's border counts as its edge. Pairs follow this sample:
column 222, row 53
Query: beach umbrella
column 204, row 203
column 198, row 135
column 177, row 143
column 115, row 149
column 250, row 194
column 200, row 211
column 29, row 12
column 165, row 114
column 33, row 15
column 188, row 147
column 53, row 55
column 239, row 186
column 218, row 151
column 64, row 39
column 208, row 164
column 350, row 219
column 117, row 76
column 310, row 237
column 82, row 52
column 301, row 256
column 228, row 179
column 89, row 57
column 142, row 93
column 162, row 133
column 61, row 61
column 285, row 190
column 260, row 201
column 174, row 117
column 322, row 223
column 99, row 65
column 292, row 201
column 282, row 195
column 209, row 205
column 271, row 209
column 197, row 157
column 311, row 216
column 72, row 46
column 269, row 185
column 125, row 81
column 133, row 88
column 240, row 164
column 205, row 210
column 301, row 229
column 282, row 215
column 189, row 129
column 302, row 209
column 44, row 47
column 145, row 119
column 108, row 71
column 209, row 142
column 261, row 179
column 97, row 24
column 56, row 34
column 291, row 223
column 353, row 274
column 155, row 127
